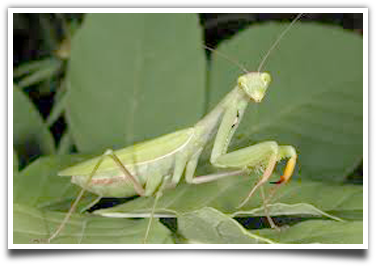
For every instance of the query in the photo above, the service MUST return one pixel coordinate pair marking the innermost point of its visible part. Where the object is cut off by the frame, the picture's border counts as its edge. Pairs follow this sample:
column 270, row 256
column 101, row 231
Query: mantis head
column 255, row 84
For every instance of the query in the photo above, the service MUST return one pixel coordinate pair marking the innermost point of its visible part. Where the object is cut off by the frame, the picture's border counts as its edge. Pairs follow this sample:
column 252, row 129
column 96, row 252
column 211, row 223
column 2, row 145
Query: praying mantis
column 148, row 168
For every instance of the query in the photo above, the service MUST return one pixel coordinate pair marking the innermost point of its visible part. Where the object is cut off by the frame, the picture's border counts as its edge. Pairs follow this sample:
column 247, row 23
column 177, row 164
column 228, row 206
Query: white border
column 186, row 10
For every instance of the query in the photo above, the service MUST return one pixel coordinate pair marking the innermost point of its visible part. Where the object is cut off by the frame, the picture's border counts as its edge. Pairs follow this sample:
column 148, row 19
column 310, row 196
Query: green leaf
column 31, row 136
column 209, row 226
column 278, row 209
column 38, row 72
column 314, row 101
column 30, row 67
column 134, row 77
column 39, row 186
column 318, row 232
column 31, row 225
column 65, row 144
column 57, row 109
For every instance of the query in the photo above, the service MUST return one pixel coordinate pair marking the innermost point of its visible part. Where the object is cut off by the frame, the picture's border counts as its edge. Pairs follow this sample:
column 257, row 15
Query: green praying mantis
column 148, row 168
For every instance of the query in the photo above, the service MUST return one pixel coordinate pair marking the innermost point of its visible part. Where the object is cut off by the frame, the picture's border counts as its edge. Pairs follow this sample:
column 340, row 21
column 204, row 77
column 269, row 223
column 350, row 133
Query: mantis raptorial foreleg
column 263, row 155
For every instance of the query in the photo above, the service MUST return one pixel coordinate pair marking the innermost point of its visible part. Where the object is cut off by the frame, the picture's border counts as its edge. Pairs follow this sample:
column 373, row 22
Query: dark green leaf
column 31, row 136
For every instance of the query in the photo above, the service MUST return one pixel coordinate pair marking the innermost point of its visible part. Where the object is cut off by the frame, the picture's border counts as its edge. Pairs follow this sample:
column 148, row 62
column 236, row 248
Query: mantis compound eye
column 266, row 78
column 241, row 81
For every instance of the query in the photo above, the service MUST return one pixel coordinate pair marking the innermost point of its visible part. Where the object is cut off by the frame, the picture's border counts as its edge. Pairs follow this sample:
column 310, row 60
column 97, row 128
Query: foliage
column 124, row 88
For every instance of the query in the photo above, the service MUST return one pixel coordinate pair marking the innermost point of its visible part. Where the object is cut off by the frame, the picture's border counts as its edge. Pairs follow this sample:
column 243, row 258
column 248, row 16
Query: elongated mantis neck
column 226, row 116
column 210, row 122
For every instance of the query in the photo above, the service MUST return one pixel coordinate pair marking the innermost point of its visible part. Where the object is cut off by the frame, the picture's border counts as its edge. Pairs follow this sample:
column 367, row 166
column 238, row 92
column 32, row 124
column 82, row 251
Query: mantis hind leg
column 158, row 194
column 138, row 187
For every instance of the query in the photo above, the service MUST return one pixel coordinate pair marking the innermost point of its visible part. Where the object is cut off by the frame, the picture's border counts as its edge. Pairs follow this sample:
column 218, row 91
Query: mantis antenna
column 278, row 41
column 272, row 48
column 227, row 58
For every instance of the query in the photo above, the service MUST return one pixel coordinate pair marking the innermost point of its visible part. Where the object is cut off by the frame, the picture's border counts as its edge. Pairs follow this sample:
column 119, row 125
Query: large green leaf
column 134, row 76
column 315, row 99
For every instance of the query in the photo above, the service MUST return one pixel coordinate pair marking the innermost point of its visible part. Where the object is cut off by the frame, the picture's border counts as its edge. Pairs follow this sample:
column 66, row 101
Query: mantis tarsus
column 147, row 168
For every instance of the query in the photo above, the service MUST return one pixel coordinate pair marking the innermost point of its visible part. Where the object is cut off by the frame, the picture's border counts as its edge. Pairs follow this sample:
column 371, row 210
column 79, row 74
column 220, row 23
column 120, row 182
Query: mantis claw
column 289, row 169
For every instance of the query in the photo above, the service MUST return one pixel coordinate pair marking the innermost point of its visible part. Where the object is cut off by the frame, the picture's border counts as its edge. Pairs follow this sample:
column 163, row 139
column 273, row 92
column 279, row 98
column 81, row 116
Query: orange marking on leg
column 289, row 170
